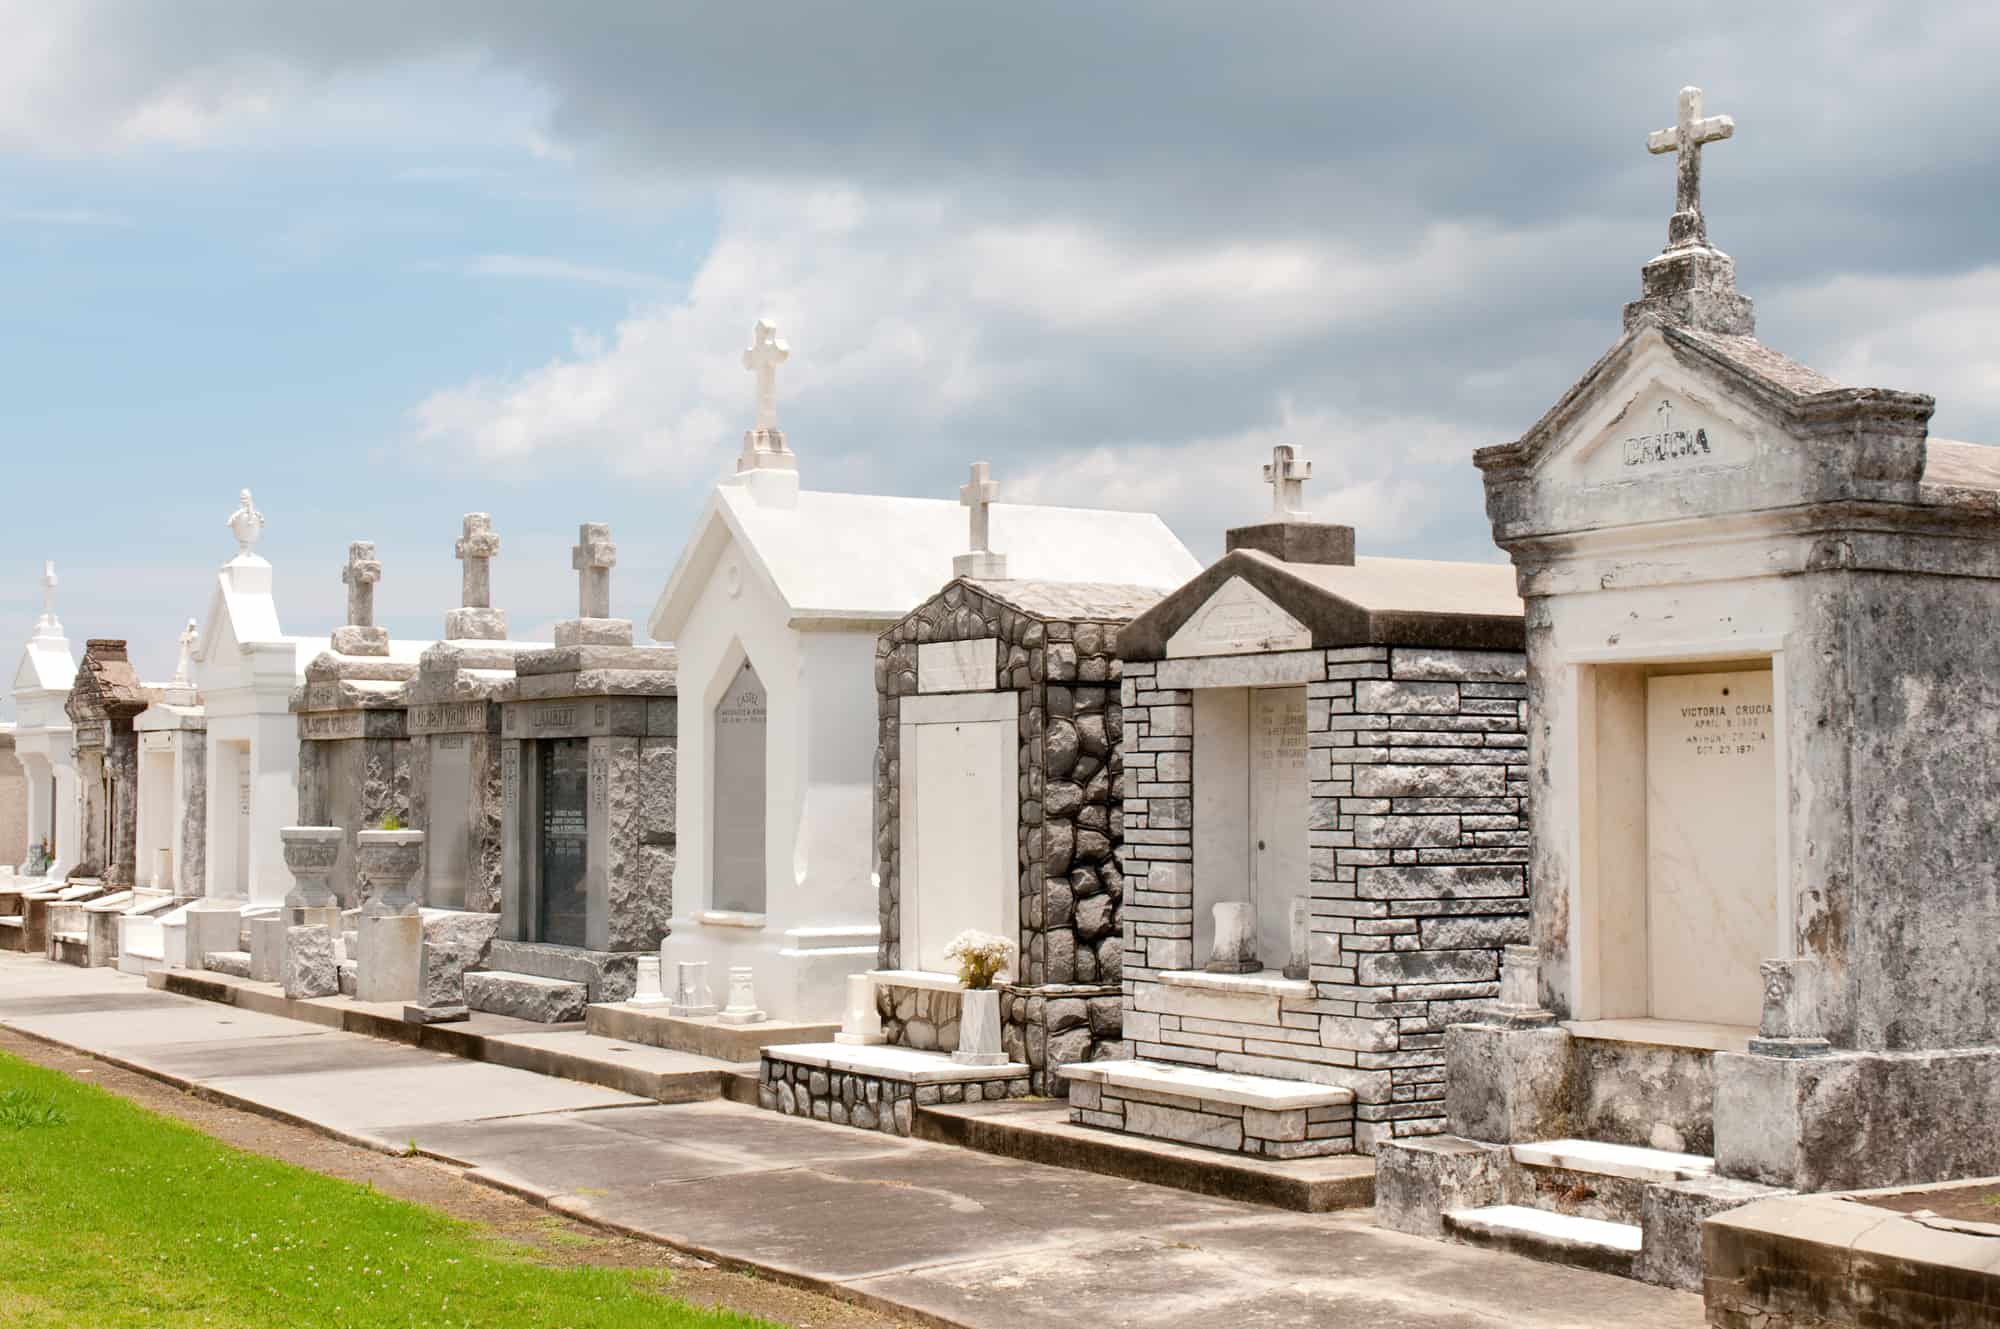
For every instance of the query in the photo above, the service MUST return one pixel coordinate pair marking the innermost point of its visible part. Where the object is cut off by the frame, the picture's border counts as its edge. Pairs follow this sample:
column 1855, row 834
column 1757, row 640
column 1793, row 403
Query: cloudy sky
column 388, row 263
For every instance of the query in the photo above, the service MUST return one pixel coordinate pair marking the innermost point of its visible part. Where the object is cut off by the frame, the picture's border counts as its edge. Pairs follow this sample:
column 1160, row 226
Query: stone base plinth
column 1506, row 1084
column 387, row 965
column 1843, row 1121
column 351, row 640
column 594, row 632
column 654, row 1026
column 605, row 975
column 875, row 1088
column 475, row 624
column 1246, row 1114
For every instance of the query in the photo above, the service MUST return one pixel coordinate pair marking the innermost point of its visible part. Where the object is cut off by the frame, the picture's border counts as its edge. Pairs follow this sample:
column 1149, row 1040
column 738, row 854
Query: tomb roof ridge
column 1079, row 601
column 1374, row 601
column 839, row 557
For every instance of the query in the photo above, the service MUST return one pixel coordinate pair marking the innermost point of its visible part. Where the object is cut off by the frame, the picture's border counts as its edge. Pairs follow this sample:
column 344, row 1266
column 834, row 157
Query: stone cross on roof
column 246, row 523
column 593, row 558
column 977, row 494
column 475, row 550
column 762, row 358
column 360, row 574
column 1287, row 474
column 189, row 636
column 1691, row 129
column 47, row 623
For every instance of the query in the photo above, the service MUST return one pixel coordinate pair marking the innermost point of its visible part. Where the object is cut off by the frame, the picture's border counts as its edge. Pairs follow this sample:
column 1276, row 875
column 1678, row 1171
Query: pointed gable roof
column 870, row 558
column 1374, row 601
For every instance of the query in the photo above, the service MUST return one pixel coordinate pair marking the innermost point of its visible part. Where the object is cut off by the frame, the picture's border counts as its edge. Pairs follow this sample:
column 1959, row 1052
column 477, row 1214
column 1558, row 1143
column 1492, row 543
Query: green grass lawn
column 111, row 1215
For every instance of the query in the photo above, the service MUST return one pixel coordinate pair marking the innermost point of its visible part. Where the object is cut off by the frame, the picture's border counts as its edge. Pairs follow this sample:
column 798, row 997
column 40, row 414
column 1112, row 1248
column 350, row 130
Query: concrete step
column 1614, row 1160
column 234, row 963
column 526, row 996
column 1594, row 1178
column 70, row 948
column 1040, row 1131
column 1258, row 1115
column 1587, row 1243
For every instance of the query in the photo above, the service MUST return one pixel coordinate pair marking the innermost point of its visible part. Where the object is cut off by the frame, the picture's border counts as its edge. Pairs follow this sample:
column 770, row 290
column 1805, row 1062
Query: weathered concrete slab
column 930, row 1229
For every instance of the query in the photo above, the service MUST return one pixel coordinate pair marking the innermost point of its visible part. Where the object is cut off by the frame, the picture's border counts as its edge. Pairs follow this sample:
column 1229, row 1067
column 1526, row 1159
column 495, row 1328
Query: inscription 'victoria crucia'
column 1667, row 443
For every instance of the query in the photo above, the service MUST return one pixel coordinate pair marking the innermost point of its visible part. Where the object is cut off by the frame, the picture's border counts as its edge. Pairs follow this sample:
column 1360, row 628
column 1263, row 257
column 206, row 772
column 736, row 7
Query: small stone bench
column 1246, row 1114
column 876, row 1087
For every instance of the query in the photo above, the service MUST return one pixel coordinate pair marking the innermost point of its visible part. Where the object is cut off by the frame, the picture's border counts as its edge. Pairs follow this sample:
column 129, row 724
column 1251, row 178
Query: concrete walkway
column 943, row 1233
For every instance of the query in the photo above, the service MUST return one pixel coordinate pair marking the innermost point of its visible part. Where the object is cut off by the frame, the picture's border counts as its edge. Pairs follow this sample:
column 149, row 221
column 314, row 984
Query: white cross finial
column 1691, row 130
column 360, row 574
column 47, row 624
column 1287, row 474
column 246, row 523
column 978, row 494
column 475, row 550
column 766, row 352
column 188, row 638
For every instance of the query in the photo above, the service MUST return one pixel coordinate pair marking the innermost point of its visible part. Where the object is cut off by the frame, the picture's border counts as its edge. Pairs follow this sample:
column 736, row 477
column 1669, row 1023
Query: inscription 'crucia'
column 1666, row 444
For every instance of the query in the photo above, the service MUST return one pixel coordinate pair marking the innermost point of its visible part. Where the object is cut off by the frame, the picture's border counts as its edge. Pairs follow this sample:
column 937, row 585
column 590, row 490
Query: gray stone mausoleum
column 1765, row 861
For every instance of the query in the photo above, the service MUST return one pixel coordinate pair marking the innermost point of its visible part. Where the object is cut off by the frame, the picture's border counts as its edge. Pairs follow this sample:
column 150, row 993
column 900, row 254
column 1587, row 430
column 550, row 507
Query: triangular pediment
column 1238, row 619
column 1673, row 424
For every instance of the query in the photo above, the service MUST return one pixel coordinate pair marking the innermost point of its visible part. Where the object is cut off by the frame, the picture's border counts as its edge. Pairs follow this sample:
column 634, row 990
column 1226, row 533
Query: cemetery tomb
column 453, row 721
column 587, row 760
column 13, row 804
column 172, row 817
column 246, row 669
column 43, row 743
column 103, row 701
column 998, row 809
column 788, row 588
column 1763, row 849
column 353, row 725
column 1324, row 761
column 996, row 812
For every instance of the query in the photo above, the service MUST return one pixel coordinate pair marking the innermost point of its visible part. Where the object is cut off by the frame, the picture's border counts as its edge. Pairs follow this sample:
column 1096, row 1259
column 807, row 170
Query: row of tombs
column 1588, row 896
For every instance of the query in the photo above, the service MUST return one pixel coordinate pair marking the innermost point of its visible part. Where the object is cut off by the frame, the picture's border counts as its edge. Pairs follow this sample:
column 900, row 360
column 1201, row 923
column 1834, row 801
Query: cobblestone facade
column 1418, row 845
column 1054, row 648
column 869, row 1102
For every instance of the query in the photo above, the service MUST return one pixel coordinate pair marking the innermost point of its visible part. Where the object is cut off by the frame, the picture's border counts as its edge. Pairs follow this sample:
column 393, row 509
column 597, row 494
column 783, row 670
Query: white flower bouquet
column 980, row 957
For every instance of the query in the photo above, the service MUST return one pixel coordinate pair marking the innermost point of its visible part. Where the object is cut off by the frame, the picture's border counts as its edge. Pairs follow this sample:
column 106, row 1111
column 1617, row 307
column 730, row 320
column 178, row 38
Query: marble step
column 69, row 947
column 1614, row 1160
column 234, row 963
column 1587, row 1243
column 1595, row 1179
column 526, row 996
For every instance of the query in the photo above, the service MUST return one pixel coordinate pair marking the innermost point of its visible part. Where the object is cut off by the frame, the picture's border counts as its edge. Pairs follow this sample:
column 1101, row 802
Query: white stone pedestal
column 213, row 926
column 742, row 1007
column 862, row 1023
column 979, row 1029
column 387, row 966
column 267, row 946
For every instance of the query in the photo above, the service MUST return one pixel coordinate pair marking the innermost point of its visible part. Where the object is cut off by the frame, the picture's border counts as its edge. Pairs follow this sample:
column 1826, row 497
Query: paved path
column 961, row 1237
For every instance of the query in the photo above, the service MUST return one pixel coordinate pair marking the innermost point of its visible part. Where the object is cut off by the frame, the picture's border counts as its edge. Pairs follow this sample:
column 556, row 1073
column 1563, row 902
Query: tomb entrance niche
column 1251, row 806
column 1687, row 880
column 959, row 827
column 561, row 911
column 740, row 727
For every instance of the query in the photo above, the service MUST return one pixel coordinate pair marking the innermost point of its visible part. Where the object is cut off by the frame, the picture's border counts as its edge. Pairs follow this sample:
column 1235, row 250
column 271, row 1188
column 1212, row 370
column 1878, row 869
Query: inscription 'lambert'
column 1667, row 443
column 555, row 717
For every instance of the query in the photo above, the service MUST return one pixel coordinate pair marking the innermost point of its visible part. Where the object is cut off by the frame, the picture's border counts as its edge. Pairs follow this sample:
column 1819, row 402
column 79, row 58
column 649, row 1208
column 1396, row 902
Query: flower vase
column 979, row 1028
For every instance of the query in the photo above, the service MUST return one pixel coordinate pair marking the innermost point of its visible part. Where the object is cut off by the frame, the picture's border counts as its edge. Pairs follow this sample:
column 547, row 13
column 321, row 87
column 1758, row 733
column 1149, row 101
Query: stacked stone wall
column 1065, row 675
column 1417, row 842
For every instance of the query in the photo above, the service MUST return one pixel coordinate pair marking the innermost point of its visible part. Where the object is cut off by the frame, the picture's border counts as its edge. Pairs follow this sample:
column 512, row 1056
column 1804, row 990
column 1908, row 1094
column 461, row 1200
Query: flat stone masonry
column 1197, row 1107
column 1416, row 762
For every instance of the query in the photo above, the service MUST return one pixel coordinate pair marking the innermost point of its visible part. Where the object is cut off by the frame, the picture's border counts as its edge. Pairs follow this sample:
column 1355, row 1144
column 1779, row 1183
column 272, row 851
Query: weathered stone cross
column 1287, row 474
column 762, row 358
column 361, row 573
column 976, row 494
column 475, row 550
column 49, row 589
column 593, row 558
column 1691, row 130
